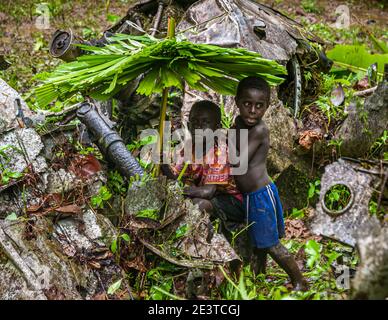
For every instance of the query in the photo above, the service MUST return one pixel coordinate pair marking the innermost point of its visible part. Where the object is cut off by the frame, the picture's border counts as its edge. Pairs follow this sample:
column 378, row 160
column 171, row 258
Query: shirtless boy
column 261, row 200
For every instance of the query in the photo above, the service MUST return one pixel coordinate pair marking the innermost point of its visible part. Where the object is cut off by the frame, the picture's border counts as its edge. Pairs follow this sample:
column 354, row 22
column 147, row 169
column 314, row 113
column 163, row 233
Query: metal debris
column 345, row 225
column 254, row 26
column 108, row 140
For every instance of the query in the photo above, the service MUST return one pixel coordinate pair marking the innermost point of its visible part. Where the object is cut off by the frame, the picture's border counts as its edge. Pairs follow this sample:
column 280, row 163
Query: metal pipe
column 108, row 140
column 61, row 46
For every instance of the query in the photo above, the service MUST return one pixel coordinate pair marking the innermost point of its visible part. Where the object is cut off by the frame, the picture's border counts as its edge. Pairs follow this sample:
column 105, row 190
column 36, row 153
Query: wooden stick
column 365, row 92
column 163, row 111
column 158, row 18
column 180, row 262
column 382, row 191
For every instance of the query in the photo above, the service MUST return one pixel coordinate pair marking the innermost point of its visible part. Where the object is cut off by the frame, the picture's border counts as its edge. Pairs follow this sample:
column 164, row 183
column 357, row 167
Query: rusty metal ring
column 342, row 211
column 66, row 42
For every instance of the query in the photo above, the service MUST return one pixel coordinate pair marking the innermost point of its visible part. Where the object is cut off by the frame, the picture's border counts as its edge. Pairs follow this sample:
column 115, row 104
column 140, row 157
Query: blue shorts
column 264, row 211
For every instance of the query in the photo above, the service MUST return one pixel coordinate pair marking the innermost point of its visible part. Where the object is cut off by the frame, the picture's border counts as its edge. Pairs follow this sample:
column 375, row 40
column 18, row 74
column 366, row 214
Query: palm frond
column 165, row 63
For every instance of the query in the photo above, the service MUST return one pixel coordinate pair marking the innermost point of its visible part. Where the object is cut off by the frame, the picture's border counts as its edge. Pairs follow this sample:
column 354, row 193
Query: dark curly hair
column 208, row 106
column 255, row 83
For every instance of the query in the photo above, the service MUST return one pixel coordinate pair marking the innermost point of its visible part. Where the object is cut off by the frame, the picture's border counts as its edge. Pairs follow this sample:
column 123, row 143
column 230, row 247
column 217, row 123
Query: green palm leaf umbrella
column 165, row 63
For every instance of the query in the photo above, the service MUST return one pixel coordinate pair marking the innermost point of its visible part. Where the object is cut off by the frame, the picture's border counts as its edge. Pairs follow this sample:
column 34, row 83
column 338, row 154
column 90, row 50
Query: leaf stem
column 163, row 111
column 183, row 171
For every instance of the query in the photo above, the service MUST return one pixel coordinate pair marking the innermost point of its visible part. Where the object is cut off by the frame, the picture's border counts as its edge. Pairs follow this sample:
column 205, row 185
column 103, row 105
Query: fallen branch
column 382, row 190
column 19, row 262
column 183, row 262
column 365, row 92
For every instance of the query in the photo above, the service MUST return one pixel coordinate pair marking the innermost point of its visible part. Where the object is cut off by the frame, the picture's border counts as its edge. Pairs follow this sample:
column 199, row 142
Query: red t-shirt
column 215, row 169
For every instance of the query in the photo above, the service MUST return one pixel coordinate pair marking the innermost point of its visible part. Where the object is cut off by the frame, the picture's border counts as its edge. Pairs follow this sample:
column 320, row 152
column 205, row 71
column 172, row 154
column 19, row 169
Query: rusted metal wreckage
column 346, row 225
column 226, row 23
column 354, row 225
column 242, row 23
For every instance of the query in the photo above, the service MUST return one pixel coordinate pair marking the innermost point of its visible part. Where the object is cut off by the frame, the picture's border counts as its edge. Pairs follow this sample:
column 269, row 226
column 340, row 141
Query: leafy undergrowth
column 327, row 265
column 318, row 261
column 326, row 19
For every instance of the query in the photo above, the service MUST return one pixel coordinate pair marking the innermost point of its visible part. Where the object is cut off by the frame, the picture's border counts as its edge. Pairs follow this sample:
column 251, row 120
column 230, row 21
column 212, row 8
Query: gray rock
column 96, row 229
column 8, row 107
column 145, row 195
column 195, row 248
column 22, row 147
column 51, row 140
column 9, row 204
column 371, row 280
column 60, row 181
column 364, row 124
column 196, row 245
column 282, row 134
column 293, row 186
column 14, row 199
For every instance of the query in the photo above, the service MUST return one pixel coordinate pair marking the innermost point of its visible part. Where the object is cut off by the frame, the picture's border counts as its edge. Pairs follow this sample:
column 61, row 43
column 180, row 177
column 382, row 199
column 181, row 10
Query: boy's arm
column 205, row 192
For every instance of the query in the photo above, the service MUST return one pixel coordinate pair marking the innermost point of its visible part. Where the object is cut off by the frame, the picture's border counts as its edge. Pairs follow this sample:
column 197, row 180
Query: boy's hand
column 204, row 192
column 167, row 171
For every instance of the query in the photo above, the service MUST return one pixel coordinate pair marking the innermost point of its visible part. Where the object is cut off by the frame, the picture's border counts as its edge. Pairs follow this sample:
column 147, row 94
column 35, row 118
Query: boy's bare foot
column 287, row 262
column 301, row 286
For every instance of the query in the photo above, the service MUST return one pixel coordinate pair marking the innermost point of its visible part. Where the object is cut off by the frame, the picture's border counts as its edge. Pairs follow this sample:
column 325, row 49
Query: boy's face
column 202, row 119
column 252, row 104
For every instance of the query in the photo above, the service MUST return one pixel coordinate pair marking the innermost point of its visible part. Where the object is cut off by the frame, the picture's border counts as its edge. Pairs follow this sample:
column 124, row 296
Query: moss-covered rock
column 293, row 186
column 364, row 124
